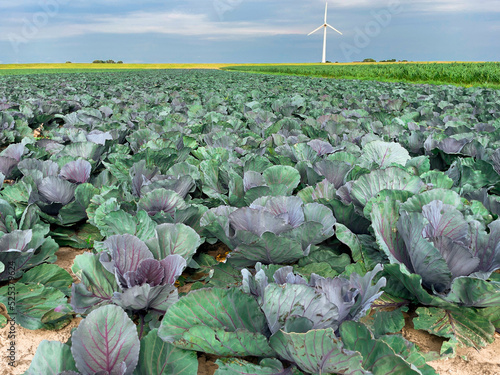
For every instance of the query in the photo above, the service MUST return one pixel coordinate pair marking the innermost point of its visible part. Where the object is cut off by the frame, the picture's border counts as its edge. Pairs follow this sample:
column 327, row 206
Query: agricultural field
column 465, row 74
column 220, row 222
column 40, row 68
column 24, row 69
column 458, row 73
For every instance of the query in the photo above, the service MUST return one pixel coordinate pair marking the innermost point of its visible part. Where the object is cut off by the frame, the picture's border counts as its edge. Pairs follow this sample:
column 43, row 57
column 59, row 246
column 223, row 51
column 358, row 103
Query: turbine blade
column 319, row 28
column 326, row 7
column 333, row 28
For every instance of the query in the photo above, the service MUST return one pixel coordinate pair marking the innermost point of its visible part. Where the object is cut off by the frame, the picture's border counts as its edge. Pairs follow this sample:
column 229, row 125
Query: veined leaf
column 106, row 340
column 461, row 324
column 223, row 322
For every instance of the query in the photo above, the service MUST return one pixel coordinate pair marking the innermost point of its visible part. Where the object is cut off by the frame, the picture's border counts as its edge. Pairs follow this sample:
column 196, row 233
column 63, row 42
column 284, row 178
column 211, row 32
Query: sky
column 247, row 31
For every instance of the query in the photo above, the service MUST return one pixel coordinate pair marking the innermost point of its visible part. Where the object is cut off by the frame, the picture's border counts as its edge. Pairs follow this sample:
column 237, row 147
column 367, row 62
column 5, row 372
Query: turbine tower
column 324, row 26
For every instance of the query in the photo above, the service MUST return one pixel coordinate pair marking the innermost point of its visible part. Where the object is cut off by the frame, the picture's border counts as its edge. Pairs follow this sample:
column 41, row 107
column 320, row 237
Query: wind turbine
column 324, row 26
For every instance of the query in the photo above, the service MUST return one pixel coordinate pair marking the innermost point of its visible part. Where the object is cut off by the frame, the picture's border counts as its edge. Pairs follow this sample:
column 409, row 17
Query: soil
column 468, row 361
column 206, row 364
column 65, row 258
column 26, row 343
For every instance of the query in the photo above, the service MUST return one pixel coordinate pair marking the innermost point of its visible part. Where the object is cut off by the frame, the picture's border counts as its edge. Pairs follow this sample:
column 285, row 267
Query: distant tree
column 107, row 62
column 369, row 60
column 68, row 62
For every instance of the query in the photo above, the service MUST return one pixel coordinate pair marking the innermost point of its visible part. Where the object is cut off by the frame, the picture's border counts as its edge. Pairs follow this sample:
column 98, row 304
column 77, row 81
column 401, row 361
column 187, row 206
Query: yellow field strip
column 179, row 66
column 112, row 66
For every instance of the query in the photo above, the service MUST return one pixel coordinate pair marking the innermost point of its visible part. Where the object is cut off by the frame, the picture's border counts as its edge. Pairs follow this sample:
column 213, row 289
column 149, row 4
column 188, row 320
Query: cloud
column 15, row 4
column 185, row 24
column 454, row 6
column 172, row 23
column 421, row 6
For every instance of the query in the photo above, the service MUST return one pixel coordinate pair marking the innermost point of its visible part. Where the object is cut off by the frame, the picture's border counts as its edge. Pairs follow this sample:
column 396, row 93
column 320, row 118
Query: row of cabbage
column 327, row 194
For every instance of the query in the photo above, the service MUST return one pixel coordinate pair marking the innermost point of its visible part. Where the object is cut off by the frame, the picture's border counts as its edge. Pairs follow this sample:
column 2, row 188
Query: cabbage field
column 285, row 225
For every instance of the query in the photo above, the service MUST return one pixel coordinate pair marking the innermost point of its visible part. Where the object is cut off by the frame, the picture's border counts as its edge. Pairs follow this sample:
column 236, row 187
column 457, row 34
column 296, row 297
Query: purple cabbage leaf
column 317, row 351
column 77, row 171
column 147, row 179
column 21, row 250
column 303, row 316
column 141, row 281
column 323, row 302
column 10, row 158
column 146, row 283
column 174, row 239
column 99, row 137
column 271, row 230
column 7, row 217
column 440, row 246
column 334, row 171
column 53, row 193
column 167, row 206
column 106, row 342
column 15, row 251
column 38, row 169
column 96, row 287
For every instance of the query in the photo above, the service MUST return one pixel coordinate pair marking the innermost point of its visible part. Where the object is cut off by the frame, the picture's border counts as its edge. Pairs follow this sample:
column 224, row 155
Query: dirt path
column 472, row 362
column 468, row 361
